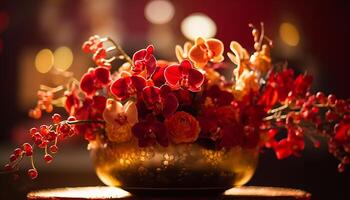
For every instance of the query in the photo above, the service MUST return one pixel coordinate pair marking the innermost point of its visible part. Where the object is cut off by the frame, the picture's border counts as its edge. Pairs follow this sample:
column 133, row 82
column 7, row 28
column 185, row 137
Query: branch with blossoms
column 193, row 100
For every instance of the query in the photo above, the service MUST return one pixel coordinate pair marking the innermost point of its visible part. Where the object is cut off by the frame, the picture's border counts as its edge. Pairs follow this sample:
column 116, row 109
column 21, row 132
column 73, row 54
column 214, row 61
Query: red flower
column 302, row 85
column 150, row 131
column 182, row 127
column 183, row 75
column 144, row 59
column 160, row 99
column 92, row 109
column 126, row 86
column 217, row 96
column 158, row 75
column 94, row 80
column 277, row 88
column 72, row 102
column 285, row 147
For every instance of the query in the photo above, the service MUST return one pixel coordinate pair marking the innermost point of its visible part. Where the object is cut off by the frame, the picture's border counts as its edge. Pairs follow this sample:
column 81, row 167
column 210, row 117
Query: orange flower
column 206, row 50
column 182, row 128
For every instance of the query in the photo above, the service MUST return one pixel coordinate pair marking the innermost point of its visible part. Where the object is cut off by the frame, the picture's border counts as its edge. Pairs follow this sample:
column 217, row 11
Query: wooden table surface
column 105, row 193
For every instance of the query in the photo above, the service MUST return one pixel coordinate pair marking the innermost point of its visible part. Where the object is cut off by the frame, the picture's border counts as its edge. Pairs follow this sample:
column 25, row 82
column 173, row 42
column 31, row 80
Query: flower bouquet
column 198, row 122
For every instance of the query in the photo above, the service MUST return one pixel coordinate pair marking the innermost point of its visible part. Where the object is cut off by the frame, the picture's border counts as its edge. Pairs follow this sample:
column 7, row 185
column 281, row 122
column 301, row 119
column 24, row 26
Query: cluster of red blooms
column 162, row 103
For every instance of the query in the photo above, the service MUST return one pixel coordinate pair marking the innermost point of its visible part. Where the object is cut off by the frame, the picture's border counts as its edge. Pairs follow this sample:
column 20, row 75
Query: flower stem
column 121, row 51
column 86, row 122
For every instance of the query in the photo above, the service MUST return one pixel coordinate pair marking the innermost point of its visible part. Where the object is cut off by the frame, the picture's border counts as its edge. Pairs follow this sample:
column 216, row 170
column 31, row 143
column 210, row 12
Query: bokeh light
column 63, row 58
column 289, row 34
column 44, row 60
column 198, row 24
column 159, row 11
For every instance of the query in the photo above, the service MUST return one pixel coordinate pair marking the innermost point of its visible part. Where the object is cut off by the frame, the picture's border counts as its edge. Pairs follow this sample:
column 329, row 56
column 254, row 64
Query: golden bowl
column 194, row 165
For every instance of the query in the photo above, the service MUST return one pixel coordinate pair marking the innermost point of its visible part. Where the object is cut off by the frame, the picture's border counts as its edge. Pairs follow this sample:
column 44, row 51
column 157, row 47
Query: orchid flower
column 119, row 119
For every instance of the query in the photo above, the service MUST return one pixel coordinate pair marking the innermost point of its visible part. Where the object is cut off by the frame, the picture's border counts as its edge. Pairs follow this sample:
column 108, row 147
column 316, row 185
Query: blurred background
column 40, row 41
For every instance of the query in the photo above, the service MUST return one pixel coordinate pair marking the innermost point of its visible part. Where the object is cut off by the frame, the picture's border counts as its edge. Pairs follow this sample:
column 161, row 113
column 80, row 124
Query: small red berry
column 331, row 116
column 53, row 149
column 32, row 131
column 317, row 144
column 331, row 99
column 43, row 144
column 321, row 97
column 341, row 167
column 345, row 160
column 44, row 130
column 71, row 118
column 64, row 129
column 346, row 118
column 87, row 47
column 28, row 149
column 8, row 167
column 51, row 136
column 56, row 118
column 32, row 173
column 48, row 158
column 38, row 141
column 18, row 152
column 13, row 157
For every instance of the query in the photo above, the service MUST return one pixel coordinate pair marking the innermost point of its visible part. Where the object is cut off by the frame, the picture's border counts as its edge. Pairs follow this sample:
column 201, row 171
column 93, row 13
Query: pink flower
column 183, row 75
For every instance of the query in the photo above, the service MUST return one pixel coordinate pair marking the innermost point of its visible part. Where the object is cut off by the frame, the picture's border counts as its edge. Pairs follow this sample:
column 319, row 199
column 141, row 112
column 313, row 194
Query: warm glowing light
column 81, row 193
column 159, row 11
column 63, row 58
column 289, row 34
column 198, row 24
column 44, row 61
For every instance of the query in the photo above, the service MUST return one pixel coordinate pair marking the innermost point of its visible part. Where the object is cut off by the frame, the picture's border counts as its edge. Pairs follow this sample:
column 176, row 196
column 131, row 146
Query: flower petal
column 139, row 55
column 158, row 76
column 151, row 64
column 172, row 75
column 99, row 103
column 151, row 96
column 138, row 82
column 195, row 78
column 170, row 105
column 120, row 88
column 198, row 56
column 131, row 112
column 87, row 84
column 217, row 47
column 185, row 66
column 102, row 75
column 113, row 108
